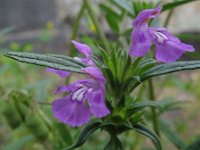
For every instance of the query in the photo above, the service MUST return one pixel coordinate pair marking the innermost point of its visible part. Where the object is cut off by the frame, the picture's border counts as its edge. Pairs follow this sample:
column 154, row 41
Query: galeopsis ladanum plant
column 103, row 99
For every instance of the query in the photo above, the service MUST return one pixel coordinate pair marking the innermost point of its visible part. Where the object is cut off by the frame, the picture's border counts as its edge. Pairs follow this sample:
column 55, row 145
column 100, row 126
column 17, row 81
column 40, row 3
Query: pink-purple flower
column 83, row 49
column 85, row 97
column 168, row 48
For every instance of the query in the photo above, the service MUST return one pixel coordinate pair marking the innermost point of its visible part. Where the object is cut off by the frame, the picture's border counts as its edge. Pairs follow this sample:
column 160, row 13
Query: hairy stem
column 154, row 115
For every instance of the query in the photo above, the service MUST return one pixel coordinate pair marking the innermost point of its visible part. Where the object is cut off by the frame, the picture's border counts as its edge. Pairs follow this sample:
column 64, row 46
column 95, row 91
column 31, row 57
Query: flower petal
column 144, row 16
column 72, row 87
column 167, row 53
column 140, row 43
column 61, row 73
column 86, row 60
column 94, row 73
column 97, row 104
column 70, row 112
column 165, row 33
column 83, row 48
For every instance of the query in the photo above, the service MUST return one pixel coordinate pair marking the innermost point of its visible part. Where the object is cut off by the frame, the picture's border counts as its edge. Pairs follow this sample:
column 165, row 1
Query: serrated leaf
column 50, row 60
column 175, row 4
column 85, row 133
column 146, row 132
column 135, row 107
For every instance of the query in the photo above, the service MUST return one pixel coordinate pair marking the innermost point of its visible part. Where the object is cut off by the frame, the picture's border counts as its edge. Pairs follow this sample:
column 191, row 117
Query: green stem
column 96, row 23
column 76, row 27
column 154, row 115
column 168, row 18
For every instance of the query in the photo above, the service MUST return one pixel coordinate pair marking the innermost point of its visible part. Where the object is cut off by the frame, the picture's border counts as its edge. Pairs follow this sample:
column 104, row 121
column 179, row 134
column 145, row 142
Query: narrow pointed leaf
column 85, row 133
column 171, row 135
column 57, row 62
column 114, row 144
column 125, row 5
column 146, row 132
column 172, row 5
column 67, row 58
column 169, row 68
column 141, row 105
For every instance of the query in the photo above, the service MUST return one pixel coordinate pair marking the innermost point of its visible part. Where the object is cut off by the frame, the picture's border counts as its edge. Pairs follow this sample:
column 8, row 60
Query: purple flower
column 168, row 47
column 61, row 73
column 82, row 48
column 85, row 97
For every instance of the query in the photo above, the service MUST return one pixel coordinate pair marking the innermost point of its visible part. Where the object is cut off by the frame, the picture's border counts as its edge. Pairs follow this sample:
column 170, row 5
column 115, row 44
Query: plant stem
column 168, row 18
column 154, row 116
column 76, row 27
column 96, row 23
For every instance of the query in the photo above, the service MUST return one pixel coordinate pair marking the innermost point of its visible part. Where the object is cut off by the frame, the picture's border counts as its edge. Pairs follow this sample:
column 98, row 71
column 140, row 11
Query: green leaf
column 85, row 133
column 114, row 144
column 113, row 23
column 124, row 4
column 52, row 60
column 169, row 105
column 135, row 107
column 19, row 144
column 146, row 65
column 112, row 18
column 175, row 4
column 142, row 5
column 64, row 133
column 171, row 135
column 169, row 68
column 146, row 132
column 195, row 145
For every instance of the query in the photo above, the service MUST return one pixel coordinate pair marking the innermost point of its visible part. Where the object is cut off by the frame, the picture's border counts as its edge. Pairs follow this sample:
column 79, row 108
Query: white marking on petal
column 81, row 95
column 76, row 94
column 160, row 37
column 90, row 90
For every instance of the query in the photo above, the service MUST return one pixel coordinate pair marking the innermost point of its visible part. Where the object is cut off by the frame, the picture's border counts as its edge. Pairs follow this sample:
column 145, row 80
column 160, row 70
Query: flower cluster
column 168, row 47
column 85, row 96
